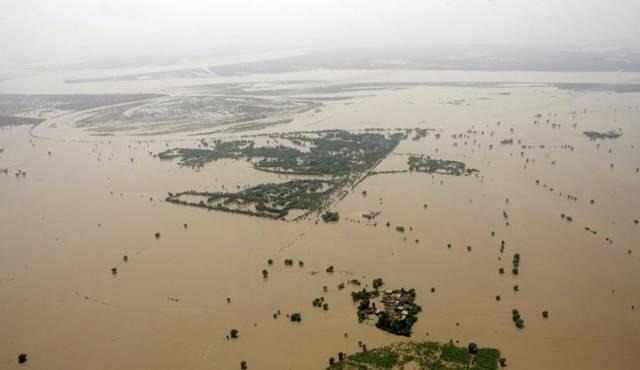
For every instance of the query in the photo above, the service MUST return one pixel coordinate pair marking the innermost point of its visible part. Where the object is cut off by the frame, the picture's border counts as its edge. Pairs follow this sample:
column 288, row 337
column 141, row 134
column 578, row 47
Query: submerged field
column 509, row 208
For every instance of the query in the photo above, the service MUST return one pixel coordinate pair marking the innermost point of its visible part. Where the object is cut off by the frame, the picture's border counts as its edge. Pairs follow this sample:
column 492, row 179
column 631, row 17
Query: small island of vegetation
column 441, row 166
column 420, row 355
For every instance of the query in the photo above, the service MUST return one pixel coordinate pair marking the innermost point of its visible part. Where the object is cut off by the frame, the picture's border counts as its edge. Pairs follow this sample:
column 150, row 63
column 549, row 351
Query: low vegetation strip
column 265, row 200
column 441, row 166
column 420, row 355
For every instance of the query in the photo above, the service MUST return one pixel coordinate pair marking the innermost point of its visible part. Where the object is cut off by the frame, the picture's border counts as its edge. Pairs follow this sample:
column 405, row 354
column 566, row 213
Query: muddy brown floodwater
column 81, row 208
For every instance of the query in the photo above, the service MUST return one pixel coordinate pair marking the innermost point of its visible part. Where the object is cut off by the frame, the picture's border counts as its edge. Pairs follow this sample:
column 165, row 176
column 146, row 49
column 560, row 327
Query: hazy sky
column 59, row 30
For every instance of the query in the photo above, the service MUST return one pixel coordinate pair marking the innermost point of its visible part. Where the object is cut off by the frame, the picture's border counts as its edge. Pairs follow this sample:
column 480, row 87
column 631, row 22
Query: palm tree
column 265, row 274
column 233, row 333
column 243, row 365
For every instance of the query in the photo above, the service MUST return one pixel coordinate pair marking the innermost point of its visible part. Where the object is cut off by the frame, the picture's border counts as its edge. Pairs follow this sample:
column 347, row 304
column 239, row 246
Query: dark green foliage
column 545, row 314
column 381, row 358
column 593, row 135
column 265, row 274
column 334, row 153
column 330, row 216
column 473, row 348
column 377, row 283
column 243, row 365
column 233, row 333
column 363, row 294
column 22, row 358
column 517, row 318
column 451, row 353
column 391, row 320
column 269, row 200
column 330, row 269
column 516, row 264
column 296, row 317
column 427, row 355
column 441, row 166
column 398, row 327
column 485, row 359
column 342, row 155
column 515, row 314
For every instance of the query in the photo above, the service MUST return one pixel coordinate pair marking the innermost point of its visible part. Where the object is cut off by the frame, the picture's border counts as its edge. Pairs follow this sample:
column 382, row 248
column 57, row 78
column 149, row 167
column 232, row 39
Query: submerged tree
column 22, row 358
column 473, row 348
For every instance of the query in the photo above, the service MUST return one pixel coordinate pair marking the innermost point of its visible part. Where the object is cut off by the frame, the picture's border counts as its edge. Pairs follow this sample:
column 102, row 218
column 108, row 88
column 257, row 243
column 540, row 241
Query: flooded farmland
column 84, row 186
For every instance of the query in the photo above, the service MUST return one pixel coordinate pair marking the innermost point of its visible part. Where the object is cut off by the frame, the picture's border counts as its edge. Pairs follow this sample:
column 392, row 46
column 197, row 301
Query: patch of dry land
column 343, row 219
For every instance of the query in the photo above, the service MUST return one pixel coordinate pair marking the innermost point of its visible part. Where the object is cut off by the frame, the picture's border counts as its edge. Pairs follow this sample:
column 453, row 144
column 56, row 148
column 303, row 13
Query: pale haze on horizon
column 67, row 31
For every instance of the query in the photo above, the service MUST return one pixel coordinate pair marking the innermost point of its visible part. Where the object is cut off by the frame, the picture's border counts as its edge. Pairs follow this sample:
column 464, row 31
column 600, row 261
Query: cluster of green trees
column 336, row 153
column 516, row 263
column 442, row 166
column 273, row 200
column 364, row 294
column 330, row 269
column 329, row 216
column 428, row 355
column 333, row 152
column 401, row 326
column 517, row 319
column 319, row 302
column 593, row 135
column 377, row 283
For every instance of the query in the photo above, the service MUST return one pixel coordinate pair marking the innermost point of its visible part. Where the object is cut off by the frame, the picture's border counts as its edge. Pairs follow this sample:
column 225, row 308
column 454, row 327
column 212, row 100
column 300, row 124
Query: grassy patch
column 427, row 355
